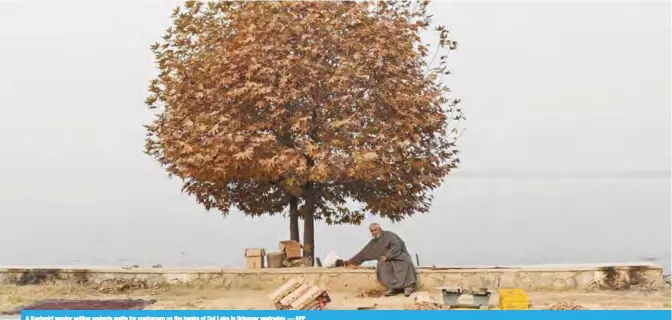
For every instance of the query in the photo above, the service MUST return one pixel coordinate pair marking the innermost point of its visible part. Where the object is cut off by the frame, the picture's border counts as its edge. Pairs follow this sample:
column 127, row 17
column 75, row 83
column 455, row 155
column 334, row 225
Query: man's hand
column 382, row 259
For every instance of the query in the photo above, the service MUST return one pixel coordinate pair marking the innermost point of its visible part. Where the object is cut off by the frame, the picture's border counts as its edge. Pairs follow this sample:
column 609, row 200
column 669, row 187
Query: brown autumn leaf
column 318, row 104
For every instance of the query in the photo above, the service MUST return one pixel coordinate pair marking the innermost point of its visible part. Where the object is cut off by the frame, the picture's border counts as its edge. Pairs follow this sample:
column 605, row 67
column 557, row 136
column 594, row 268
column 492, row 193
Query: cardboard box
column 254, row 258
column 291, row 248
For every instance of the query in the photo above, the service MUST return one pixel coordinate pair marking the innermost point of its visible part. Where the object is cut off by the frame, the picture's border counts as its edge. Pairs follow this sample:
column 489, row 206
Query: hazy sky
column 551, row 91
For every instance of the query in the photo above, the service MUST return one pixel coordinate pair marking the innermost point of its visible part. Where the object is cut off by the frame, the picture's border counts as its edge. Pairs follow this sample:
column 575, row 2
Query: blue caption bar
column 342, row 315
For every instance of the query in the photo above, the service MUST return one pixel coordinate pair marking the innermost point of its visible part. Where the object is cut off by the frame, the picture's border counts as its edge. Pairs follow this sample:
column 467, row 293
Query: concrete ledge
column 614, row 276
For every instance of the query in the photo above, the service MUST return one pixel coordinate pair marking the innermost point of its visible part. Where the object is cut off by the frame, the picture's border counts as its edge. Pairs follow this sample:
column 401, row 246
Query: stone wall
column 564, row 277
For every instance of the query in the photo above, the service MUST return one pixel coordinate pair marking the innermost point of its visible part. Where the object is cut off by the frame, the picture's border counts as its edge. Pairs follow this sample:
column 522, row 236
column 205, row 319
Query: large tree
column 321, row 105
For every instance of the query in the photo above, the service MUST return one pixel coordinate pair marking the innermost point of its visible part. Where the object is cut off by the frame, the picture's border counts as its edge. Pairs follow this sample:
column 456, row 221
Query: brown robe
column 398, row 271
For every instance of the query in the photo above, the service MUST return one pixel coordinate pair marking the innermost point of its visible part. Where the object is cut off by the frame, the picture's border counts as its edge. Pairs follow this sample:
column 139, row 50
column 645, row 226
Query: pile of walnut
column 423, row 306
column 297, row 263
column 566, row 306
column 371, row 293
column 423, row 301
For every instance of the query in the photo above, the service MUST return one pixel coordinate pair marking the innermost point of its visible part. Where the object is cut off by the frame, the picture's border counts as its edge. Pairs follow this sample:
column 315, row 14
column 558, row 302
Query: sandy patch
column 13, row 297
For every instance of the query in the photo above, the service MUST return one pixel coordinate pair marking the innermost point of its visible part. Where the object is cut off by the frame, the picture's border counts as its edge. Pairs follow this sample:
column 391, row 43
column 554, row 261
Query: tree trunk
column 294, row 219
column 309, row 224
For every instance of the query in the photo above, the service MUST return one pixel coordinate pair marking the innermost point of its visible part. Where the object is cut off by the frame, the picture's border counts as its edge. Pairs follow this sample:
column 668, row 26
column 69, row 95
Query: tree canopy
column 325, row 103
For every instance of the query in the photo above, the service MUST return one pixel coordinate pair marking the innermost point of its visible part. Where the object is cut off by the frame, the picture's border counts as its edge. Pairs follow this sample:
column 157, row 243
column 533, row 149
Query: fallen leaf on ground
column 371, row 293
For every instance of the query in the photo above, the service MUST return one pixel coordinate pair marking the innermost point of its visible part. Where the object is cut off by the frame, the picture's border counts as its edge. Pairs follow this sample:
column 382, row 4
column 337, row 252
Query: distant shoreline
column 528, row 174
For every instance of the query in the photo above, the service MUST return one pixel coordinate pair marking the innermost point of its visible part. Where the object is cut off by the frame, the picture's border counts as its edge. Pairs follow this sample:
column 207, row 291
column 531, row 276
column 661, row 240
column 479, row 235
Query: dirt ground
column 14, row 297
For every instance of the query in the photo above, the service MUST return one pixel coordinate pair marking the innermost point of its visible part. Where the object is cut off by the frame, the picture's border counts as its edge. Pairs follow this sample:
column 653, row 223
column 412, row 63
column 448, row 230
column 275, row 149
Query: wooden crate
column 513, row 299
column 285, row 290
column 286, row 303
column 298, row 294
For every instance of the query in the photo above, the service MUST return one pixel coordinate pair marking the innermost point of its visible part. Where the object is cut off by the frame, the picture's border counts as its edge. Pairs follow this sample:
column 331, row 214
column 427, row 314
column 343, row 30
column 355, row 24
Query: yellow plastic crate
column 513, row 299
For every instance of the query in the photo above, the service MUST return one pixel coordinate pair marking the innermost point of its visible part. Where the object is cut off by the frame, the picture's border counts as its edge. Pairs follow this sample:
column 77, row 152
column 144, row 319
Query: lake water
column 77, row 190
column 474, row 220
